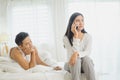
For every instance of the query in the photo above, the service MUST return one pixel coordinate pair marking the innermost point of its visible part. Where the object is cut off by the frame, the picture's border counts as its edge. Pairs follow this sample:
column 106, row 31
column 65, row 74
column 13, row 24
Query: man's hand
column 57, row 68
column 32, row 51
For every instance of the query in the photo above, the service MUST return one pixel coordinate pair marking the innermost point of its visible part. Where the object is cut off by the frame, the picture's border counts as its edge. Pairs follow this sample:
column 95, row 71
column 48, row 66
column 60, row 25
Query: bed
column 10, row 70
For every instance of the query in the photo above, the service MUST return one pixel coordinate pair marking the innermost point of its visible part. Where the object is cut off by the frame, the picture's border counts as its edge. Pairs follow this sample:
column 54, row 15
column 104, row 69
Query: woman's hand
column 74, row 30
column 73, row 58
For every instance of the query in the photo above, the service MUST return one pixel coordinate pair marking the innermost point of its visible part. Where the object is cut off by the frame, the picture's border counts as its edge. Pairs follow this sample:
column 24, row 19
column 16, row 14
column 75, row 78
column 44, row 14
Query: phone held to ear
column 76, row 27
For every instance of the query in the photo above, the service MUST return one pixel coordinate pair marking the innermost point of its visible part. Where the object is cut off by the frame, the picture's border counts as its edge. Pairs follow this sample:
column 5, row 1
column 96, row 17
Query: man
column 26, row 54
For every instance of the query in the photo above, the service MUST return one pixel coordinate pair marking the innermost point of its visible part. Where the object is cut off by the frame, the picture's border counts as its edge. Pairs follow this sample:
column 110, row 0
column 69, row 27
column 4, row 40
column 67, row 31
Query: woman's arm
column 66, row 42
column 72, row 55
column 76, row 43
column 87, row 43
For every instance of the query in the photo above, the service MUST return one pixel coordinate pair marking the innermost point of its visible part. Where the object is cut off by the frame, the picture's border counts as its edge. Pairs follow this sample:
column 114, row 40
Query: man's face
column 27, row 45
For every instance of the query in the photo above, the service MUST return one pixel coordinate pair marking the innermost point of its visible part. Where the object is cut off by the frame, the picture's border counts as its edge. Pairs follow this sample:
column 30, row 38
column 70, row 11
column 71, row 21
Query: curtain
column 34, row 17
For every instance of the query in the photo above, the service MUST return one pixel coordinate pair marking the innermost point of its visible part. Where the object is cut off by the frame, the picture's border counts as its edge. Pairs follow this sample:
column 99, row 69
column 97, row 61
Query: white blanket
column 6, row 65
column 12, row 71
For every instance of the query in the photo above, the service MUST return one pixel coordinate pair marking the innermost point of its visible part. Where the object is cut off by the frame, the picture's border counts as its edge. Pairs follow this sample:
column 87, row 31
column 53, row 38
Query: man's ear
column 21, row 46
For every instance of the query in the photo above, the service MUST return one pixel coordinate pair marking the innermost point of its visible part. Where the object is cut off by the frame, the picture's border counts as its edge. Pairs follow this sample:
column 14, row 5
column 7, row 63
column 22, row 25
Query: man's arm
column 16, row 55
column 32, row 62
column 38, row 60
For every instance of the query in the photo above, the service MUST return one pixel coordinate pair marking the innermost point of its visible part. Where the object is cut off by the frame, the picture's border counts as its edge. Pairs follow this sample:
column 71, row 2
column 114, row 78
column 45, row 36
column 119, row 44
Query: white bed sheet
column 12, row 71
column 55, row 75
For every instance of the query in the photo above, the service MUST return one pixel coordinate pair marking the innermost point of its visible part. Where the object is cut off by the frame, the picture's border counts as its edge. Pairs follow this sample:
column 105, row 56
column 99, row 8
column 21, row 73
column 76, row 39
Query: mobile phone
column 76, row 27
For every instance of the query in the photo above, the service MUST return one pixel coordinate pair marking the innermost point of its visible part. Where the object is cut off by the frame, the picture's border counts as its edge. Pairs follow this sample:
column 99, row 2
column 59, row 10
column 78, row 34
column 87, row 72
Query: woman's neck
column 80, row 35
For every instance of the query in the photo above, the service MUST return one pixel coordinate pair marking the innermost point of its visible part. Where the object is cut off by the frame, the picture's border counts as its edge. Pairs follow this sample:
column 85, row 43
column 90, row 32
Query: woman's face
column 27, row 45
column 79, row 21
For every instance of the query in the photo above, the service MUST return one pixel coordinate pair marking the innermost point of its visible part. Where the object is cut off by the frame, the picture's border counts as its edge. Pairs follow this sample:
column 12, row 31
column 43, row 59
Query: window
column 34, row 19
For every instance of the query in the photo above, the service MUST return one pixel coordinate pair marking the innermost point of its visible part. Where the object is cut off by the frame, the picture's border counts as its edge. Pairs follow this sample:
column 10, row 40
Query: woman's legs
column 88, row 68
column 75, row 69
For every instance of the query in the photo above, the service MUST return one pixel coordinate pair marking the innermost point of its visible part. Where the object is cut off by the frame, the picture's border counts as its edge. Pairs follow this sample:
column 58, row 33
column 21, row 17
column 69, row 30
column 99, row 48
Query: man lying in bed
column 26, row 54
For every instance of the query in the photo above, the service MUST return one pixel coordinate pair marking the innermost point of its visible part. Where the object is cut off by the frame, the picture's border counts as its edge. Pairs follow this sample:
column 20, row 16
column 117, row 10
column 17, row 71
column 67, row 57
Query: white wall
column 3, row 16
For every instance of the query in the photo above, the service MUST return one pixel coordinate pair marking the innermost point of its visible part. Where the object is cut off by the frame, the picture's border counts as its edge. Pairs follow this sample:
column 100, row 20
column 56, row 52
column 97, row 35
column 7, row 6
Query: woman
column 78, row 44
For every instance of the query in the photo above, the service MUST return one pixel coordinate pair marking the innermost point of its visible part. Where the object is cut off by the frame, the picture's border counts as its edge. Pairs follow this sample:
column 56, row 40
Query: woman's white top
column 83, row 47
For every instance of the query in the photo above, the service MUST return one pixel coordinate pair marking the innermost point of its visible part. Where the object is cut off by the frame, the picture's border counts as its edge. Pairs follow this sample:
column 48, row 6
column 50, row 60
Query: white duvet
column 10, row 70
column 15, row 68
column 7, row 65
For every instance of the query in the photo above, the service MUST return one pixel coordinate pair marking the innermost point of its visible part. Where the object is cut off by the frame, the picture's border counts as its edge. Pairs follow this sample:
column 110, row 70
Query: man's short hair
column 20, row 37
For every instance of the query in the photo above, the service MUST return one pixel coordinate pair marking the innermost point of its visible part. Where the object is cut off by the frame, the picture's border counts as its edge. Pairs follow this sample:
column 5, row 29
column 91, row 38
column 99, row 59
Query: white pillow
column 11, row 67
column 47, row 58
column 8, row 65
column 5, row 59
column 1, row 71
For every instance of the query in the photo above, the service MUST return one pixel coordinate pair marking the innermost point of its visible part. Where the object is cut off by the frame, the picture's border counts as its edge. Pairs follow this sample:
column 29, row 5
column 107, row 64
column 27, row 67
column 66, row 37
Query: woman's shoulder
column 65, row 38
column 88, row 36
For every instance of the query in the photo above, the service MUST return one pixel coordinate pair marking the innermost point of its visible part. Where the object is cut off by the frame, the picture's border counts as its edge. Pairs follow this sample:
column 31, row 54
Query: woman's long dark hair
column 69, row 33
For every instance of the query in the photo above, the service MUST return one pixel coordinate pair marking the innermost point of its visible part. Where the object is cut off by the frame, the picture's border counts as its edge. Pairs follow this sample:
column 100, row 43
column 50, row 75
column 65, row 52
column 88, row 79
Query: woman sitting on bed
column 26, row 54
